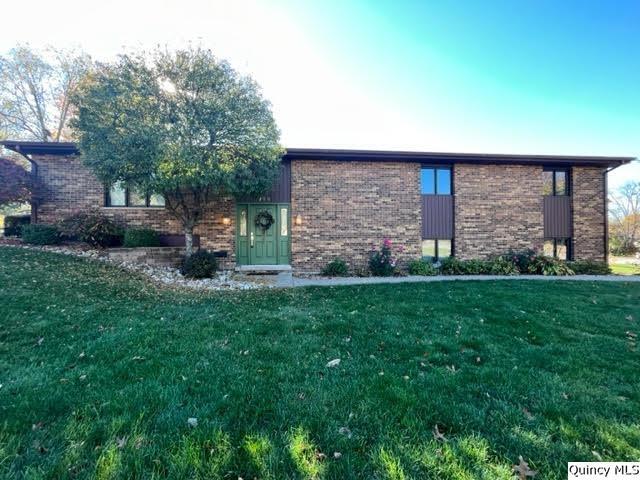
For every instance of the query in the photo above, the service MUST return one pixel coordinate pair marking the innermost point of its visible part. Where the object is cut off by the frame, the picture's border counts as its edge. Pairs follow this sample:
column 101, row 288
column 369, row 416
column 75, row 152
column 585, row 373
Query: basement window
column 436, row 249
column 559, row 248
column 118, row 195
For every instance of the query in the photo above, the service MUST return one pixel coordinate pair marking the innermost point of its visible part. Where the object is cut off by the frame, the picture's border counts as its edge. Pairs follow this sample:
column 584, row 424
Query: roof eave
column 450, row 158
column 70, row 148
column 43, row 148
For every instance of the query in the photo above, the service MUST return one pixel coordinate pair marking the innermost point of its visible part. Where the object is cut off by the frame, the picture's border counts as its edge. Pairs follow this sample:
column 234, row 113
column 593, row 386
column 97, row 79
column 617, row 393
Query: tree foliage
column 625, row 218
column 183, row 124
column 17, row 185
column 35, row 90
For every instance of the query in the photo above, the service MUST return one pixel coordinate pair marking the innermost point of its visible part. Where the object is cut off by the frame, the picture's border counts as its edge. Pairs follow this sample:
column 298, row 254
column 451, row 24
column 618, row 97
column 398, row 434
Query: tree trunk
column 188, row 242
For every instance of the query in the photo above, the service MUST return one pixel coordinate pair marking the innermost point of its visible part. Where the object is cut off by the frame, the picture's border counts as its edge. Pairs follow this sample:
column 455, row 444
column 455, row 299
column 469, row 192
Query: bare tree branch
column 35, row 90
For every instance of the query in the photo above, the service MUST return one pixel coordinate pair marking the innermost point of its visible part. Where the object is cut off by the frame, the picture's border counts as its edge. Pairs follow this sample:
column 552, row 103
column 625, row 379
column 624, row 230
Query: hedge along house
column 338, row 203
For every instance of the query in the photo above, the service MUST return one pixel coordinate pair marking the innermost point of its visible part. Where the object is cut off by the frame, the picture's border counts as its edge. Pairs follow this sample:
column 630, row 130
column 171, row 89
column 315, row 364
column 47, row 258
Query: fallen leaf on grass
column 138, row 359
column 522, row 469
column 438, row 435
column 333, row 363
column 192, row 422
column 337, row 455
column 528, row 414
column 121, row 441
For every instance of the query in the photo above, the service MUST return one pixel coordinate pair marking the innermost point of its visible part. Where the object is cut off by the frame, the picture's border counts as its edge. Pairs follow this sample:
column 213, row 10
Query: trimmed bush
column 13, row 224
column 586, row 267
column 41, row 234
column 202, row 264
column 422, row 267
column 335, row 268
column 382, row 263
column 453, row 266
column 141, row 237
column 92, row 228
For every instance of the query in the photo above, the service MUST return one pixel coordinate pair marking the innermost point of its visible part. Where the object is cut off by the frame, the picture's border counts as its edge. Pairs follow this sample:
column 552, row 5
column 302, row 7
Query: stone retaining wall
column 157, row 256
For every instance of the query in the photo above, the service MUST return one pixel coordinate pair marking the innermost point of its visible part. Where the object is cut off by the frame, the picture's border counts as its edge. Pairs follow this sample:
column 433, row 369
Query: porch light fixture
column 226, row 221
column 298, row 220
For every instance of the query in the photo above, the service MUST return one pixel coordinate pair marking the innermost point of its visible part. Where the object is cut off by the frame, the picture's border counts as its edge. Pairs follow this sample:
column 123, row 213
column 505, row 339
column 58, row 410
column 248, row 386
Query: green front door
column 262, row 246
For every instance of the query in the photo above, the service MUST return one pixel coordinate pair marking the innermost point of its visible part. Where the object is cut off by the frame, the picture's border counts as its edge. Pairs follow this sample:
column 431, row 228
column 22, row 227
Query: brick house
column 330, row 203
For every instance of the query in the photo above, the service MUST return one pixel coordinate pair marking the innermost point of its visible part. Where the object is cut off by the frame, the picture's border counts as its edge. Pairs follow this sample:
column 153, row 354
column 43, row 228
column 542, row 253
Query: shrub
column 453, row 266
column 335, row 268
column 201, row 264
column 502, row 265
column 549, row 266
column 141, row 237
column 422, row 267
column 521, row 259
column 40, row 234
column 382, row 263
column 92, row 228
column 586, row 267
column 13, row 224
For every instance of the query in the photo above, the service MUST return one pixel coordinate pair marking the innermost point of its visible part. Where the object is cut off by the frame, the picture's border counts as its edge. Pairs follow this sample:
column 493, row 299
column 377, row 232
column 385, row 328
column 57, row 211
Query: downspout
column 34, row 174
column 606, row 212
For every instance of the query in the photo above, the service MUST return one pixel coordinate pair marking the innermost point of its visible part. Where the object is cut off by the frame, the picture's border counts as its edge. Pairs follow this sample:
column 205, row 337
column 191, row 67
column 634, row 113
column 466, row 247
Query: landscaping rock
column 165, row 275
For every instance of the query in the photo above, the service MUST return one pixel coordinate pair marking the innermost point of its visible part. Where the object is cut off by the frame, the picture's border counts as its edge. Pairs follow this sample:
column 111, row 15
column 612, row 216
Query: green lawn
column 625, row 269
column 100, row 373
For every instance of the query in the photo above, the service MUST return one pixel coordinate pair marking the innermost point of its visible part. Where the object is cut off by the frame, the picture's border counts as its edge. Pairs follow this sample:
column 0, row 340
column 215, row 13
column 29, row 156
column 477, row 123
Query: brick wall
column 588, row 213
column 347, row 206
column 497, row 207
column 71, row 187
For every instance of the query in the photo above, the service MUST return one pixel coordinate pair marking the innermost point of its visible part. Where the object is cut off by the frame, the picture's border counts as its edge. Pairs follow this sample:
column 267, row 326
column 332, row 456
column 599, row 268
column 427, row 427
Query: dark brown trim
column 69, row 148
column 450, row 158
column 43, row 148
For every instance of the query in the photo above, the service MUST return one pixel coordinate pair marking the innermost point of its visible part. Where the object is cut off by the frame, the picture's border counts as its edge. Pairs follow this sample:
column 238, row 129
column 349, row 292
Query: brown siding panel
column 557, row 216
column 437, row 216
column 281, row 192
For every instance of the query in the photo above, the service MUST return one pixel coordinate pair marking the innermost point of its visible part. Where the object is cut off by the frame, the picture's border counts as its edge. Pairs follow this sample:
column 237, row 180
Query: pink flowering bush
column 382, row 262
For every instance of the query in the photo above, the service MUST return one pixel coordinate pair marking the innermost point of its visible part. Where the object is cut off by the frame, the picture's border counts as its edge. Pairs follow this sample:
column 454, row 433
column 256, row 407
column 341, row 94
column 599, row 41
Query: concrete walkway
column 286, row 279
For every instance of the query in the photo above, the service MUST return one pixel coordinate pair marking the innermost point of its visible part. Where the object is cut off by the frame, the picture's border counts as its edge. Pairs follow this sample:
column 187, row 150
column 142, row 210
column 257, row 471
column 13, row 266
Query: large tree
column 35, row 91
column 182, row 124
column 625, row 218
column 17, row 185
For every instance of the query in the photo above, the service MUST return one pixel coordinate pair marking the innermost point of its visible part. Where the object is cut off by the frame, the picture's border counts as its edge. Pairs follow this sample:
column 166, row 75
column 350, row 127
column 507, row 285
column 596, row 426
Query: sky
column 531, row 77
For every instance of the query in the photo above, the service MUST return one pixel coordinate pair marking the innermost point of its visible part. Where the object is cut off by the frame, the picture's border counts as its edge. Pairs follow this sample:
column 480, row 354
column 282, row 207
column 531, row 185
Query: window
column 436, row 249
column 559, row 248
column 284, row 222
column 555, row 182
column 117, row 195
column 243, row 222
column 435, row 181
column 120, row 196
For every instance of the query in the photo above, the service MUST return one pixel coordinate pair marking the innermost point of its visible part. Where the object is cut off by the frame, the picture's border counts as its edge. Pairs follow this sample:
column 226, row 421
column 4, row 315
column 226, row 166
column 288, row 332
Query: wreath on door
column 264, row 220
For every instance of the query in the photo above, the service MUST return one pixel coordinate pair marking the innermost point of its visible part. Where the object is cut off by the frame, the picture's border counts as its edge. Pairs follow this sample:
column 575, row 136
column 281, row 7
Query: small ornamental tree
column 17, row 184
column 184, row 125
